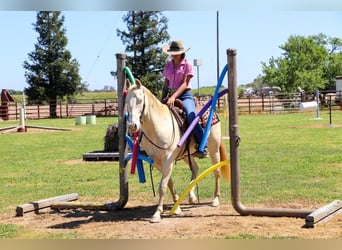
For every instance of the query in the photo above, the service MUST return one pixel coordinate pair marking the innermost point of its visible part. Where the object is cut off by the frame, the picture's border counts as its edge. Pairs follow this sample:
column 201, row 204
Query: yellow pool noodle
column 193, row 183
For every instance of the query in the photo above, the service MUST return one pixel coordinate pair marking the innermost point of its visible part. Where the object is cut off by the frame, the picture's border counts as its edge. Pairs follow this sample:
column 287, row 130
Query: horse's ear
column 138, row 83
column 128, row 84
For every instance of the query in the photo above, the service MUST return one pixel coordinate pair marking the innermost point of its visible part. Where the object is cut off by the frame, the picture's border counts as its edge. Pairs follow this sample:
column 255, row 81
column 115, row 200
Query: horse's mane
column 149, row 93
column 151, row 97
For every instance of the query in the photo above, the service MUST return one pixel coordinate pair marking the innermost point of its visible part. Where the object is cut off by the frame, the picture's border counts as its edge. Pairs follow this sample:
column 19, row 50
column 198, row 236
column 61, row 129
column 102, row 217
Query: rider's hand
column 171, row 101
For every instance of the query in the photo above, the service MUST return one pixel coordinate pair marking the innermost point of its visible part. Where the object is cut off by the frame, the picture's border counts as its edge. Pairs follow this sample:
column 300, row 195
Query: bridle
column 148, row 139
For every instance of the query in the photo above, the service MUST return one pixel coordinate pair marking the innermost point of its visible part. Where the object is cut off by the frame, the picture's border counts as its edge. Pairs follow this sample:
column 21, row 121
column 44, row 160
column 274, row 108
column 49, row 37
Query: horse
column 160, row 135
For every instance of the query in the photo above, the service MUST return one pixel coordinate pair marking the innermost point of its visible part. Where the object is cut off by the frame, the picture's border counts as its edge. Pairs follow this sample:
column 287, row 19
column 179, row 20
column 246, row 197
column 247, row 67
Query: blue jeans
column 190, row 110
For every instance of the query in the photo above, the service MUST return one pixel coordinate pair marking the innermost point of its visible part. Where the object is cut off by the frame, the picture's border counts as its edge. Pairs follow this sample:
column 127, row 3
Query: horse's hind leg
column 194, row 173
column 216, row 201
column 172, row 190
column 214, row 151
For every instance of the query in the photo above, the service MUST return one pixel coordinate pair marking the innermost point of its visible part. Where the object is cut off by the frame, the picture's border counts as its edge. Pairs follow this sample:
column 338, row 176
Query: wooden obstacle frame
column 312, row 218
column 323, row 214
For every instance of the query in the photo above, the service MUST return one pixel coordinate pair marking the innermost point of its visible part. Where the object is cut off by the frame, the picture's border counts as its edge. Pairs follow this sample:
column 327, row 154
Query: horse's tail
column 225, row 169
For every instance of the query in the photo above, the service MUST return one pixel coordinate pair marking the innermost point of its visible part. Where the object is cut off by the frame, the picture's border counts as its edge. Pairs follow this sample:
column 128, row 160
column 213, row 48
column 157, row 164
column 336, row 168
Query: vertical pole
column 198, row 92
column 234, row 153
column 123, row 175
column 67, row 109
column 22, row 126
column 105, row 101
column 217, row 46
column 317, row 100
column 24, row 105
column 60, row 109
column 233, row 127
column 330, row 110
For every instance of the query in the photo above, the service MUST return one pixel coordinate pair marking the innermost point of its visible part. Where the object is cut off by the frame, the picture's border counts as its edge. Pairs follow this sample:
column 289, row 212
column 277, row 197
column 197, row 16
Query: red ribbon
column 135, row 152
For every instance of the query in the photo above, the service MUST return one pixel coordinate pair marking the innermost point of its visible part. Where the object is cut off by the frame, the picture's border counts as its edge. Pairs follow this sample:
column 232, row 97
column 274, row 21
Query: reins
column 173, row 131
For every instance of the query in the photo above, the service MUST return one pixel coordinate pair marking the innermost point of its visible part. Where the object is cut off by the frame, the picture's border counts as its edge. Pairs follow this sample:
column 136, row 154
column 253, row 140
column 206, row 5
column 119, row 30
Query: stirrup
column 199, row 154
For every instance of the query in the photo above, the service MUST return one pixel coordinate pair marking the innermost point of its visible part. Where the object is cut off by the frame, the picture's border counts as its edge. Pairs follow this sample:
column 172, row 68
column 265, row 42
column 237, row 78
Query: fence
column 248, row 104
column 106, row 107
column 285, row 102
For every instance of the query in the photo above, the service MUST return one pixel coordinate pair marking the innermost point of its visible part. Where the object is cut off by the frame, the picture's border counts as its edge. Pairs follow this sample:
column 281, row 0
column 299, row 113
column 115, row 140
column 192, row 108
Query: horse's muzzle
column 132, row 127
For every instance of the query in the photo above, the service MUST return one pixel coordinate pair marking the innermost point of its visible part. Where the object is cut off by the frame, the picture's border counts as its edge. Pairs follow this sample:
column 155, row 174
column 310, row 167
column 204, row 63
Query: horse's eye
column 139, row 99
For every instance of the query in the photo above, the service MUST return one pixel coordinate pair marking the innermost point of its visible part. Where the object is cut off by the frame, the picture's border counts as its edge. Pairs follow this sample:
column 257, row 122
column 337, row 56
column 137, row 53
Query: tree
column 310, row 62
column 333, row 65
column 50, row 71
column 146, row 31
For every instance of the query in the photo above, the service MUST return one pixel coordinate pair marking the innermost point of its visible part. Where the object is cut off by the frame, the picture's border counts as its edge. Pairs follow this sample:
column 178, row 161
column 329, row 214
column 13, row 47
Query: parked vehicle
column 338, row 97
column 270, row 90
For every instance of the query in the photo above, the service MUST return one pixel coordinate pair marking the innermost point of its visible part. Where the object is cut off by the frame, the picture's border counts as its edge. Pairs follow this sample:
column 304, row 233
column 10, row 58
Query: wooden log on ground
column 101, row 156
column 48, row 128
column 8, row 128
column 97, row 206
column 324, row 213
column 35, row 206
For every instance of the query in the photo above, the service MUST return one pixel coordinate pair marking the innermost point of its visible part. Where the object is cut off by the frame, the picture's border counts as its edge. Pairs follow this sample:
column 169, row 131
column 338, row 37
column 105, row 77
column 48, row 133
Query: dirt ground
column 200, row 221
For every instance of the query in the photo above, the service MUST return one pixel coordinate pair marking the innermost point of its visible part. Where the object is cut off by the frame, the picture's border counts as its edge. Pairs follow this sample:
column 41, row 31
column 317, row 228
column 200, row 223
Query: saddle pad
column 204, row 118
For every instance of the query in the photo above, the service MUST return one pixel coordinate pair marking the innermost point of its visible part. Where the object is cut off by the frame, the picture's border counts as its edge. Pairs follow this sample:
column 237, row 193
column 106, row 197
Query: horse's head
column 135, row 105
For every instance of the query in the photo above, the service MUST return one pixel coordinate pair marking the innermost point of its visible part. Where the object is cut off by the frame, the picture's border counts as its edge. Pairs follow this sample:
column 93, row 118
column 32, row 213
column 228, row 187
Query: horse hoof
column 178, row 211
column 155, row 219
column 215, row 202
column 192, row 200
column 175, row 199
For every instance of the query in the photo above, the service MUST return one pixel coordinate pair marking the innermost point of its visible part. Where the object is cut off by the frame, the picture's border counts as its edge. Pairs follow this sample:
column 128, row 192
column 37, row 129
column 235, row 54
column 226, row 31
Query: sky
column 93, row 42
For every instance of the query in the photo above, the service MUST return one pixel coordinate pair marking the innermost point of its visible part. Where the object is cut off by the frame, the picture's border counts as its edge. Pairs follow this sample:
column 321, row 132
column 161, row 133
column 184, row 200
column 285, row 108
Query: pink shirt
column 176, row 75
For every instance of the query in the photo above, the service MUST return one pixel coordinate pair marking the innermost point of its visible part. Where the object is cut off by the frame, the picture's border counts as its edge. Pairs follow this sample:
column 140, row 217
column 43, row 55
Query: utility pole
column 197, row 63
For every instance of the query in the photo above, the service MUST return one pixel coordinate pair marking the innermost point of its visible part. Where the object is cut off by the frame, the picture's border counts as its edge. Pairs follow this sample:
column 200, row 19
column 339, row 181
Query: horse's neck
column 156, row 116
column 153, row 108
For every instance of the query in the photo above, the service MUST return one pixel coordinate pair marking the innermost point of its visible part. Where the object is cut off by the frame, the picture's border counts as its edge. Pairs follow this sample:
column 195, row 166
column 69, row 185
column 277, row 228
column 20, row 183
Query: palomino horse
column 161, row 134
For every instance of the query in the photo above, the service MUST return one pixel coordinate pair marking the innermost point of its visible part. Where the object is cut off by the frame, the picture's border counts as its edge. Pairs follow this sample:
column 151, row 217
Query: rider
column 178, row 72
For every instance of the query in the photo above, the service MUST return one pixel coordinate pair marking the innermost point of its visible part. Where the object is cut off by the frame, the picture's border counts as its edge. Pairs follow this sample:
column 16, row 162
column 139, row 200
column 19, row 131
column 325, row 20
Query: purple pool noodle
column 193, row 123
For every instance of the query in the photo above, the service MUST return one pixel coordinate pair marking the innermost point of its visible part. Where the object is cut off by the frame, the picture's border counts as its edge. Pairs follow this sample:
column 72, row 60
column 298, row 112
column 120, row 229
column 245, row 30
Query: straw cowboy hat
column 175, row 48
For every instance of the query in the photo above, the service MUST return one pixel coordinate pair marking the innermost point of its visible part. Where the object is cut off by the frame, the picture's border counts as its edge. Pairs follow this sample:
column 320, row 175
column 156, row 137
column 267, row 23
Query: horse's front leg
column 166, row 174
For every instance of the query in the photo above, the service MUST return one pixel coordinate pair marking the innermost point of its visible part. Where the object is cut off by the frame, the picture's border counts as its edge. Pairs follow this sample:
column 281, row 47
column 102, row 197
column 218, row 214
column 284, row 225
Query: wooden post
column 5, row 99
column 123, row 173
column 60, row 109
column 35, row 206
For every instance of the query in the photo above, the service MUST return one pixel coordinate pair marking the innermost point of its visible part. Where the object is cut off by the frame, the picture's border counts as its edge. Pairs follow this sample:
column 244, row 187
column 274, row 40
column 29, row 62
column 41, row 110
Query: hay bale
column 111, row 139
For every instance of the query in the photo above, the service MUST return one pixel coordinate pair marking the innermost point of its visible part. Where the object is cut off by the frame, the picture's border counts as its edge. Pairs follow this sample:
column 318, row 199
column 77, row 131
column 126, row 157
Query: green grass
column 8, row 231
column 284, row 159
column 296, row 155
